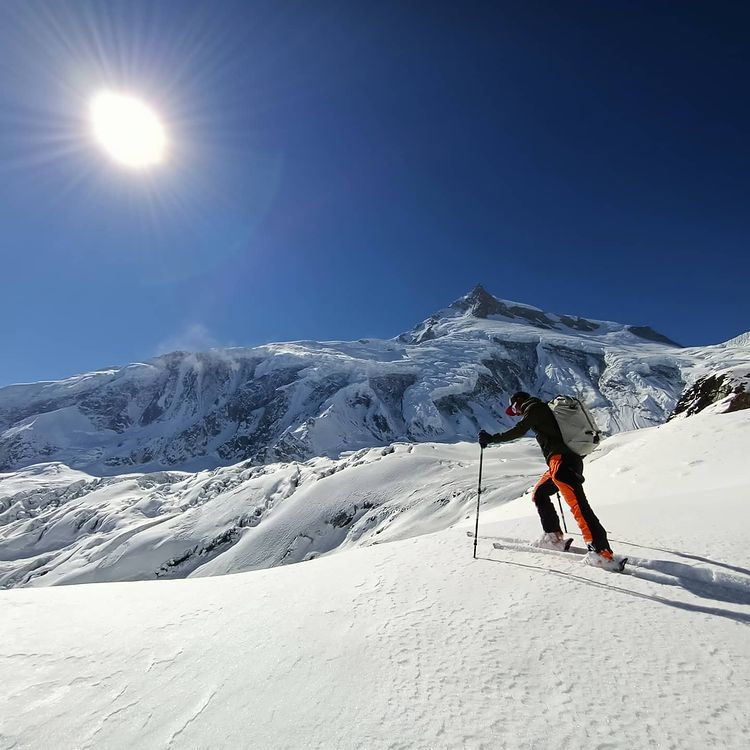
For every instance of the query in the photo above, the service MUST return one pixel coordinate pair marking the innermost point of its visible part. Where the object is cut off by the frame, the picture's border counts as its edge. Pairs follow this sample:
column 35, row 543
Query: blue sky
column 341, row 170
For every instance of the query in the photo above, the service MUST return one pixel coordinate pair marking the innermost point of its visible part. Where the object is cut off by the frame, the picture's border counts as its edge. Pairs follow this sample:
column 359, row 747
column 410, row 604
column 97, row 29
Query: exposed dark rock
column 713, row 388
column 425, row 331
column 740, row 401
column 152, row 412
column 481, row 304
column 190, row 559
column 648, row 333
column 344, row 517
column 578, row 324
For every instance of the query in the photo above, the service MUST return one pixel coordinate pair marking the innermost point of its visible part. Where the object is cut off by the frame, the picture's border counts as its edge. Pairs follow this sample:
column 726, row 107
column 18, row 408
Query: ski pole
column 479, row 494
column 562, row 515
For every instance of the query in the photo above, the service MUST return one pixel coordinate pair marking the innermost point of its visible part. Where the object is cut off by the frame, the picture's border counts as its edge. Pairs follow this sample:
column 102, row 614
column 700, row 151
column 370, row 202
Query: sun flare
column 128, row 130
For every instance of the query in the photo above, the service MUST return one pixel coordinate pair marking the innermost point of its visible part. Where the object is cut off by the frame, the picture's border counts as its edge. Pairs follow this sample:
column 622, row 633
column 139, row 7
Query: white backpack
column 577, row 425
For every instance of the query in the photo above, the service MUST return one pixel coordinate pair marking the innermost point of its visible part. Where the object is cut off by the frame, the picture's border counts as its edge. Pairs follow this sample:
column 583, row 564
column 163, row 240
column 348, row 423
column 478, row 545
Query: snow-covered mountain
column 413, row 644
column 440, row 382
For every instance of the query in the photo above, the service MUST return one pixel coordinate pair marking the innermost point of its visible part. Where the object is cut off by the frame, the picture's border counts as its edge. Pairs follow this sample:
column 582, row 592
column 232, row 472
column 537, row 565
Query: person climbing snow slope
column 564, row 475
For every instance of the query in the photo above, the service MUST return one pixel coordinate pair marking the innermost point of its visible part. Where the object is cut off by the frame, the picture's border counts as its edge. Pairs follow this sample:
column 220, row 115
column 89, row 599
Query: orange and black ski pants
column 565, row 475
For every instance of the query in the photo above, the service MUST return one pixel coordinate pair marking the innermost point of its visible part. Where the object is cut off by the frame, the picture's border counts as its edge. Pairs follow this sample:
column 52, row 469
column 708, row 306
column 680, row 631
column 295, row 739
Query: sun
column 128, row 130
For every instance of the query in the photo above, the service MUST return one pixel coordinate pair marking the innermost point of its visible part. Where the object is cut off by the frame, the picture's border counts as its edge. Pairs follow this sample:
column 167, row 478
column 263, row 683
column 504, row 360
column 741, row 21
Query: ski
column 519, row 546
column 526, row 545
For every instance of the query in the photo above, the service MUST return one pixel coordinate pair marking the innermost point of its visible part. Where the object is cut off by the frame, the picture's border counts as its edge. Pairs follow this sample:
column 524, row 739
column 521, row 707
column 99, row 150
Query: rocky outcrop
column 730, row 389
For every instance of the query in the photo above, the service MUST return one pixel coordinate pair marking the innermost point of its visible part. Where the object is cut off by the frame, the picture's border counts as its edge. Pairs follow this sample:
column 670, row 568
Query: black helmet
column 517, row 400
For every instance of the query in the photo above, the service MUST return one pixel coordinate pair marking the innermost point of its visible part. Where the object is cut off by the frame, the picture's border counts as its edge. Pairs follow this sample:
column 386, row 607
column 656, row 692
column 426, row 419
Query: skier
column 564, row 475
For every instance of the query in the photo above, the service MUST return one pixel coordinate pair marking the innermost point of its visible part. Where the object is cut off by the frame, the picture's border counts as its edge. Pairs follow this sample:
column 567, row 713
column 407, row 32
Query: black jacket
column 537, row 416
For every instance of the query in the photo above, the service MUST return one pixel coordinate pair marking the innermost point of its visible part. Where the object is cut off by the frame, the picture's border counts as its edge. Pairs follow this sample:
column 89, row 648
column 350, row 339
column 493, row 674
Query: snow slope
column 441, row 382
column 60, row 526
column 413, row 644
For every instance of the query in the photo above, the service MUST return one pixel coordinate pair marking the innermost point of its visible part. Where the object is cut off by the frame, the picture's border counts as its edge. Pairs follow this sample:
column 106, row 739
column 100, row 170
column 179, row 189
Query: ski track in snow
column 704, row 580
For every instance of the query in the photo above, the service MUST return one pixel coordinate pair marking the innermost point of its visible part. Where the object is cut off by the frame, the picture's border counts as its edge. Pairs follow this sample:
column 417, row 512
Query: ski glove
column 485, row 439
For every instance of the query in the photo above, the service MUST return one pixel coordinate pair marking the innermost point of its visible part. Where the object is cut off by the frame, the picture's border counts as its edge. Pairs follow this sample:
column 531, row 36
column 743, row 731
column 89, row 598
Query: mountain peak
column 482, row 305
column 479, row 303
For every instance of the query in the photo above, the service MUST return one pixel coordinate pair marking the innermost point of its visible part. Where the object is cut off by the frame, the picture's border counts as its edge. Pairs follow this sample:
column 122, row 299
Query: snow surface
column 414, row 644
column 742, row 340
